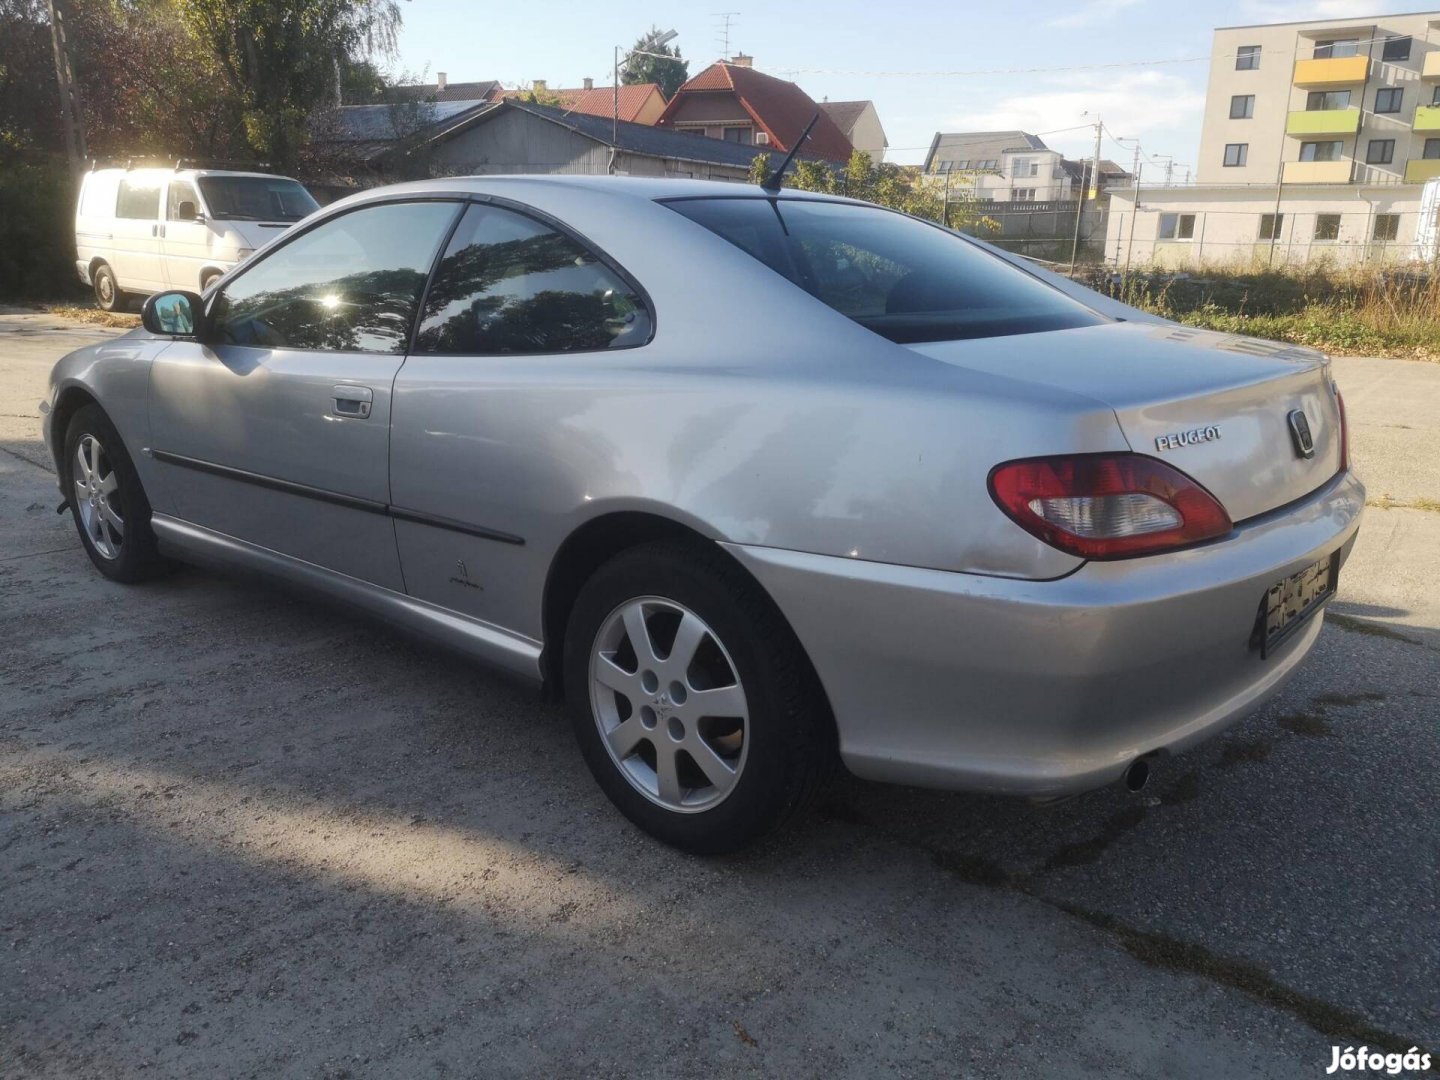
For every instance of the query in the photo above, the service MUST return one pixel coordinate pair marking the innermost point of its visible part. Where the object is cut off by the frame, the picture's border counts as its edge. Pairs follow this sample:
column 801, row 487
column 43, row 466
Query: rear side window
column 99, row 197
column 351, row 284
column 511, row 284
column 139, row 200
column 900, row 277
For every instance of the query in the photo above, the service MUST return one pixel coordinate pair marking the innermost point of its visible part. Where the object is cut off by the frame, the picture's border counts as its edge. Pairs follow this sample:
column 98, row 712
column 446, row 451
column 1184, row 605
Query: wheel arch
column 596, row 542
column 68, row 402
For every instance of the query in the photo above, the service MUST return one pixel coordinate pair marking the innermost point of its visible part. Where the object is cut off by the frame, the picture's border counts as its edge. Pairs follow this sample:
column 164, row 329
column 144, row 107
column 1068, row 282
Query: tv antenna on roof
column 722, row 31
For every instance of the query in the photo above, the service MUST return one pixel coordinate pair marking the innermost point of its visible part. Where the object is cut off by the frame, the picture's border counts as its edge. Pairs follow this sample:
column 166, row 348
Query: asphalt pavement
column 243, row 833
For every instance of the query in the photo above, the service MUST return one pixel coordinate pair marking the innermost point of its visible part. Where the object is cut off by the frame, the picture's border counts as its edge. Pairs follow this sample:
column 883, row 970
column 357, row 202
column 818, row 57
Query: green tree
column 280, row 58
column 667, row 70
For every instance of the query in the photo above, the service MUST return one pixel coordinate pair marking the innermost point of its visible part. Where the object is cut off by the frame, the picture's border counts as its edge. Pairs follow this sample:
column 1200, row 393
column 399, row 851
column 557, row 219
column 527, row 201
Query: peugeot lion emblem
column 1300, row 432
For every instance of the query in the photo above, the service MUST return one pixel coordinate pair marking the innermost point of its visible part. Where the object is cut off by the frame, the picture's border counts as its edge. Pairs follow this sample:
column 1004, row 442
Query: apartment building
column 1001, row 166
column 1332, row 101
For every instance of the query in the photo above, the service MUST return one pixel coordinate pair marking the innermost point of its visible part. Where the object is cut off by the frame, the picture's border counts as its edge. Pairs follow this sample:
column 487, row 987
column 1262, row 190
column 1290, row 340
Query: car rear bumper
column 1047, row 688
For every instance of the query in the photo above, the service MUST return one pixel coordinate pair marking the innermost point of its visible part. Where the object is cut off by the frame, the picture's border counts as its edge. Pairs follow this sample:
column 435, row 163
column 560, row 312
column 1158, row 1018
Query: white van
column 141, row 231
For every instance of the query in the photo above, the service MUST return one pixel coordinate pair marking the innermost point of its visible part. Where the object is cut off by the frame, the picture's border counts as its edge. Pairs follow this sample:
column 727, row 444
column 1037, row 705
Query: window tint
column 1242, row 106
column 1270, row 226
column 178, row 193
column 139, row 199
column 1236, row 153
column 510, row 284
column 1380, row 152
column 349, row 285
column 1327, row 226
column 1396, row 48
column 1389, row 100
column 1387, row 226
column 1247, row 58
column 904, row 279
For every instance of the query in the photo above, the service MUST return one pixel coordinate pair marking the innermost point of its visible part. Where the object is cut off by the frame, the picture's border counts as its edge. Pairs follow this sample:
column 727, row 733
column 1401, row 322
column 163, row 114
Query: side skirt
column 484, row 641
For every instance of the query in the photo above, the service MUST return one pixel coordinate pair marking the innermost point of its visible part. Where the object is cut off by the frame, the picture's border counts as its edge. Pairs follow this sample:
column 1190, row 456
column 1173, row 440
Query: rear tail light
column 1107, row 506
column 1344, row 432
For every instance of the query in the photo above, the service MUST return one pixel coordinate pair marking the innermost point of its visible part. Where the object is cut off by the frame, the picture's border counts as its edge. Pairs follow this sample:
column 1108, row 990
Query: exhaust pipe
column 1137, row 775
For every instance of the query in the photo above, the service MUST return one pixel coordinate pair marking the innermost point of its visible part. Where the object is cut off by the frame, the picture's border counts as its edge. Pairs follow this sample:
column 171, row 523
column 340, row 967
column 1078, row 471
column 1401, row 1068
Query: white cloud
column 1268, row 11
column 1161, row 109
column 1093, row 12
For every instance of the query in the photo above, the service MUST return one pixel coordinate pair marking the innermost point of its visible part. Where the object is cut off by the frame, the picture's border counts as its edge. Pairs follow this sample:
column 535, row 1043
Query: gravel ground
column 246, row 834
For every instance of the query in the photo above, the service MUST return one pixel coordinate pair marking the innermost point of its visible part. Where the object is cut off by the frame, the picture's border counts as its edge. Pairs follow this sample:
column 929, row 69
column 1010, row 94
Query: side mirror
column 186, row 211
column 175, row 314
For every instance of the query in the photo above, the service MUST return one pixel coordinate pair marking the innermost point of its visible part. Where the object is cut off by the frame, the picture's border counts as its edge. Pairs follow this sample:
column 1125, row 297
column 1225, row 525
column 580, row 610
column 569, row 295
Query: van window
column 256, row 198
column 139, row 199
column 180, row 192
column 99, row 197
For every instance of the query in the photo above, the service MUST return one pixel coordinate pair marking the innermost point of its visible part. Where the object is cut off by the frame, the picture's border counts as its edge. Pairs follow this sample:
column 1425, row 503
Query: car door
column 275, row 429
column 136, row 242
column 186, row 240
column 482, row 460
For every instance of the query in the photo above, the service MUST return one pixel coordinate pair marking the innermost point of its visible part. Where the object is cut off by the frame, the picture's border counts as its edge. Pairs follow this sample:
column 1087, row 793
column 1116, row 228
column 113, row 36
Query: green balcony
column 1427, row 118
column 1323, row 122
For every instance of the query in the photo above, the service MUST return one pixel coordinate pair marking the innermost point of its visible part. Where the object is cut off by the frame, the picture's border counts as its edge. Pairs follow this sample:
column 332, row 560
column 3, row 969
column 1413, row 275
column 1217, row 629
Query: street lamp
column 654, row 41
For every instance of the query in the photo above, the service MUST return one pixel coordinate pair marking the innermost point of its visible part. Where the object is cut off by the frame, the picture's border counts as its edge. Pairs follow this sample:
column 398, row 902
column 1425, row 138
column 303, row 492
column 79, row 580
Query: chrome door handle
column 351, row 402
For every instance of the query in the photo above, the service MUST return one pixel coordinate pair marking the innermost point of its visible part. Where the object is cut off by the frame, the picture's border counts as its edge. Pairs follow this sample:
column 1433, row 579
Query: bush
column 37, row 231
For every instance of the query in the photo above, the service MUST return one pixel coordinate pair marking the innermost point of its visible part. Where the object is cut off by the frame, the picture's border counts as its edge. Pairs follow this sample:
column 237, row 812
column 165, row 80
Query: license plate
column 1289, row 603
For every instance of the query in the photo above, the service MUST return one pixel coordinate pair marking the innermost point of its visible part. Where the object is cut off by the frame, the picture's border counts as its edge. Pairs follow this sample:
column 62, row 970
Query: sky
column 928, row 66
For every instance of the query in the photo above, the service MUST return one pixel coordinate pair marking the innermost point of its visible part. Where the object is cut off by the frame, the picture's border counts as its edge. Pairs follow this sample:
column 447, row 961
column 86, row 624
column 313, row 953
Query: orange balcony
column 1331, row 71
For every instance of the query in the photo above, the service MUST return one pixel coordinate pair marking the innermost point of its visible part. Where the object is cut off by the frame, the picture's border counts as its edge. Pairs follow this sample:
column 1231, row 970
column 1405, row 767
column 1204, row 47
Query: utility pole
column 72, row 118
column 1084, row 191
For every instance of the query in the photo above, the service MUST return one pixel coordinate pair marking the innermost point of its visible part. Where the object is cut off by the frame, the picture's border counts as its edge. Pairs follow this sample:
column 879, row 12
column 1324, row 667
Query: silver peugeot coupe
column 759, row 482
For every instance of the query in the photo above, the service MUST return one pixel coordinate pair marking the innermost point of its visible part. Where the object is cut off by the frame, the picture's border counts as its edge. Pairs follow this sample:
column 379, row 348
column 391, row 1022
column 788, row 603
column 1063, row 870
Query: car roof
column 647, row 188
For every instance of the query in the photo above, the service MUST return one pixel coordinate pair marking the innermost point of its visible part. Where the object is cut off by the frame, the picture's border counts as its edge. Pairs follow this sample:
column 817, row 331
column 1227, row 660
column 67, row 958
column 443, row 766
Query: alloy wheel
column 96, row 497
column 669, row 704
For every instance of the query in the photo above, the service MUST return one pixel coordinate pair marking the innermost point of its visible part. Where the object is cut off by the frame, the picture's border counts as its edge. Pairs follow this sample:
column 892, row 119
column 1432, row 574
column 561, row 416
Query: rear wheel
column 694, row 705
column 108, row 294
column 107, row 502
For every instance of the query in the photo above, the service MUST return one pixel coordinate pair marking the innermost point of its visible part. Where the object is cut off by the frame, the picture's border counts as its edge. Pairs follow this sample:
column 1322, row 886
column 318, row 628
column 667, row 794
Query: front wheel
column 694, row 704
column 111, row 512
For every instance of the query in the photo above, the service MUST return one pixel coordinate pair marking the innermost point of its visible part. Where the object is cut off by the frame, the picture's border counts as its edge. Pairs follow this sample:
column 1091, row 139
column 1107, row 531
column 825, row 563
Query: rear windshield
column 906, row 280
column 256, row 198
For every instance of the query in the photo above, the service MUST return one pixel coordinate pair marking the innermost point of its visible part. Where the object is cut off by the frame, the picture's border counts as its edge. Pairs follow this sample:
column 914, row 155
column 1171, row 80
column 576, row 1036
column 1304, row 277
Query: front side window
column 1380, row 152
column 1242, row 107
column 256, row 198
column 180, row 192
column 1389, row 100
column 1325, row 50
column 1396, row 48
column 1327, row 226
column 1322, row 151
column 1387, row 227
column 139, row 200
column 1318, row 100
column 1247, row 58
column 511, row 284
column 1177, row 226
column 352, row 284
column 904, row 279
column 1270, row 225
column 1236, row 153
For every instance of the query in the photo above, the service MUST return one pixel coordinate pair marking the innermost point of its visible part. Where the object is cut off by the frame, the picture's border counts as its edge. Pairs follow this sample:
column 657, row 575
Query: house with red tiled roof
column 731, row 100
column 640, row 103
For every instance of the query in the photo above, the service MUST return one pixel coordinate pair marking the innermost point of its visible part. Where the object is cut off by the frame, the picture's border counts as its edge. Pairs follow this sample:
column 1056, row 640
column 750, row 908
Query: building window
column 1270, row 226
column 1318, row 100
column 1322, row 151
column 1023, row 194
column 1023, row 167
column 1389, row 99
column 1396, row 48
column 1242, row 107
column 1247, row 58
column 1432, row 150
column 1435, row 95
column 1380, row 152
column 1324, row 50
column 1387, row 227
column 1177, row 226
column 1236, row 153
column 987, row 163
column 1327, row 226
column 739, row 135
column 943, row 166
column 961, row 166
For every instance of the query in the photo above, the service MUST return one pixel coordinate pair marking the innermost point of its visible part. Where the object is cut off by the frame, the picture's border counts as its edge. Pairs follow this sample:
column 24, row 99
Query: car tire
column 106, row 499
column 108, row 294
column 683, row 766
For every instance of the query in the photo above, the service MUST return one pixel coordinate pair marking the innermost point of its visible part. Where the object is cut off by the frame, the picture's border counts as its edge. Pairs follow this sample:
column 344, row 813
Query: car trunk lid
column 1255, row 422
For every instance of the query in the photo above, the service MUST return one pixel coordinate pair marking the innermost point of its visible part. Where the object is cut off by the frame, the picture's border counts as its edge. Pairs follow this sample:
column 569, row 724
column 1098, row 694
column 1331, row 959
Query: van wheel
column 108, row 293
column 695, row 707
column 209, row 278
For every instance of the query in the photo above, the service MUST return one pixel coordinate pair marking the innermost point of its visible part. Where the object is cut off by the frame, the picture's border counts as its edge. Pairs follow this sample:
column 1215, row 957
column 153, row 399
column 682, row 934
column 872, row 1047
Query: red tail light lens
column 1107, row 506
column 1344, row 432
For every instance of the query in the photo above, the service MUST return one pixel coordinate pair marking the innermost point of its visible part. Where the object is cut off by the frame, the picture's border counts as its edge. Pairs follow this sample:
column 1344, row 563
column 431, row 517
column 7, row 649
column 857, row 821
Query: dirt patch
column 92, row 316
